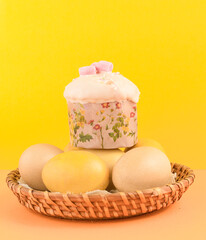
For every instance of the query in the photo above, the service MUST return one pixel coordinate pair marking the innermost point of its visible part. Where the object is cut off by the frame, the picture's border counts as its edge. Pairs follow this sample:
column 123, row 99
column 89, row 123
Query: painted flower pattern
column 102, row 111
column 103, row 125
column 80, row 124
column 82, row 111
column 118, row 105
column 97, row 127
column 91, row 122
column 132, row 114
column 77, row 121
column 105, row 105
column 125, row 129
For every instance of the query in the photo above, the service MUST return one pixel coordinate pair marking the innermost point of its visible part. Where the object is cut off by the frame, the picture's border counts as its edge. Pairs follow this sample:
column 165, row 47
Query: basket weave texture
column 110, row 206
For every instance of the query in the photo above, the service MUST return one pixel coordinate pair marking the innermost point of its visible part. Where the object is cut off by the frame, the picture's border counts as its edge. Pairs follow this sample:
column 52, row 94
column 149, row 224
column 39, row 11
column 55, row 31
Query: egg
column 142, row 168
column 75, row 172
column 146, row 142
column 32, row 161
column 110, row 157
column 69, row 147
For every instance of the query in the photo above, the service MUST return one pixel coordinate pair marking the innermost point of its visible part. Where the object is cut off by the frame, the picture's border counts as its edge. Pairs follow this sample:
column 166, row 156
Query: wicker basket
column 110, row 206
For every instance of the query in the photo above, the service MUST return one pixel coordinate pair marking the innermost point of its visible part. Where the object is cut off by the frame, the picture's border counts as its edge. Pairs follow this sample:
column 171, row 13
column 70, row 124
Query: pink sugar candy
column 89, row 70
column 103, row 66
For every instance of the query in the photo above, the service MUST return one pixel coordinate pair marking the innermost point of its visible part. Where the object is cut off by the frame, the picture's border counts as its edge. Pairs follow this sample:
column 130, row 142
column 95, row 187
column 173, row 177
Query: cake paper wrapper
column 106, row 125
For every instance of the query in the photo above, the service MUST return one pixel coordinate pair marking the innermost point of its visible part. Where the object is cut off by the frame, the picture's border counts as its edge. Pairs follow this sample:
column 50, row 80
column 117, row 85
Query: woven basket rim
column 14, row 175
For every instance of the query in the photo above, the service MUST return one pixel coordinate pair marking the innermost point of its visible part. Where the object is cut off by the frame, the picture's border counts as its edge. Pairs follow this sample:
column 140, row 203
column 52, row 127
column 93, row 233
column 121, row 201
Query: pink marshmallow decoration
column 89, row 70
column 103, row 66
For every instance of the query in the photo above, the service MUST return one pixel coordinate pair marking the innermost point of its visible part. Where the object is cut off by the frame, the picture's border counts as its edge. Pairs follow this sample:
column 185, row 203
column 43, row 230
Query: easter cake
column 92, row 178
column 102, row 108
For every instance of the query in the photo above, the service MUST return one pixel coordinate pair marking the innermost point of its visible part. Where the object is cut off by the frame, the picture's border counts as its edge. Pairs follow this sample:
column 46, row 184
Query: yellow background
column 159, row 45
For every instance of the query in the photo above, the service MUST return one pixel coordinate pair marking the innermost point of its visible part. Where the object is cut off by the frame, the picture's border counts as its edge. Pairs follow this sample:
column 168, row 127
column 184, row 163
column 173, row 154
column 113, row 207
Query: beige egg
column 32, row 162
column 142, row 168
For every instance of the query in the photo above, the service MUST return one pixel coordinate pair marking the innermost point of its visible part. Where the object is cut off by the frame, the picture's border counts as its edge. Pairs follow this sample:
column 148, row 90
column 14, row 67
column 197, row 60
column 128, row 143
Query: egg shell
column 70, row 147
column 75, row 172
column 32, row 161
column 146, row 142
column 142, row 168
column 109, row 156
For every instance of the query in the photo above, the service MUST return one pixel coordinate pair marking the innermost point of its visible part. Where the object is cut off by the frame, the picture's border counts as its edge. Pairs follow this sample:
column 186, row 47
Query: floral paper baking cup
column 103, row 125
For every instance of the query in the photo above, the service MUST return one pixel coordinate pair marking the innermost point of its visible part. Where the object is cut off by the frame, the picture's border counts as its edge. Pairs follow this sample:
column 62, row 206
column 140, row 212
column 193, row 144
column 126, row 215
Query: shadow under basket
column 110, row 206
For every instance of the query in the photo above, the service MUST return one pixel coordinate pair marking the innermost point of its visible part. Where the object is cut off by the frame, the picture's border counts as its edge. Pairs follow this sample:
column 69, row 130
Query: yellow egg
column 75, row 172
column 69, row 147
column 142, row 168
column 110, row 157
column 143, row 142
column 32, row 161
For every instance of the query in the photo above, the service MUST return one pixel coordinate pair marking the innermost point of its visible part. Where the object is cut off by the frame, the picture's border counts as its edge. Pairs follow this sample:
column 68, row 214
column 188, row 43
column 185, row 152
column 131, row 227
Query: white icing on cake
column 102, row 87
